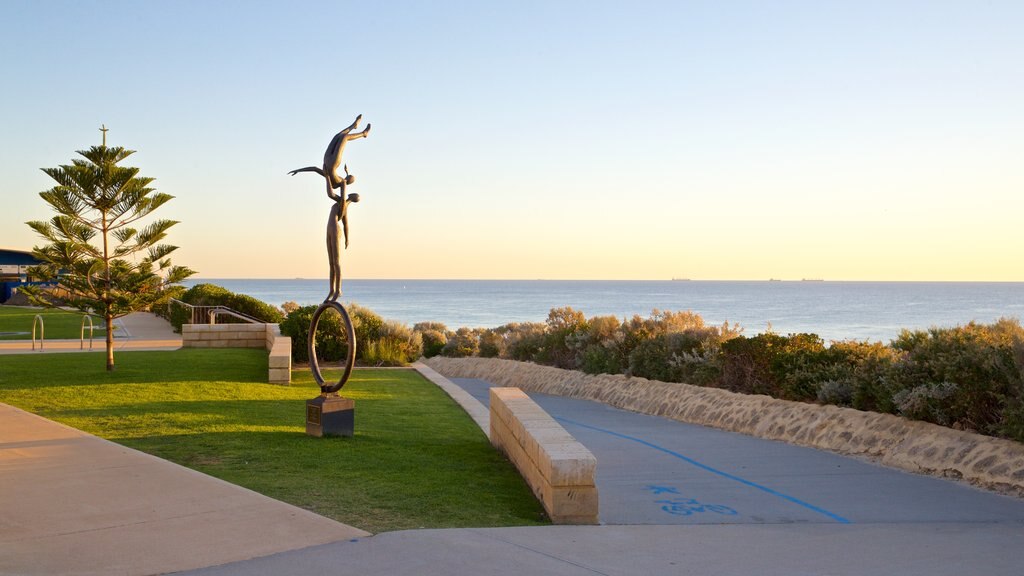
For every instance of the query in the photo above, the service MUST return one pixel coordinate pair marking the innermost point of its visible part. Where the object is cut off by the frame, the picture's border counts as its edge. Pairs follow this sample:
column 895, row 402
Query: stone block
column 559, row 470
column 280, row 376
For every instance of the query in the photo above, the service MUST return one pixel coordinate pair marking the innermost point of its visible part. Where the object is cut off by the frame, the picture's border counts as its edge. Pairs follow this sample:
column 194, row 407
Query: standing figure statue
column 339, row 211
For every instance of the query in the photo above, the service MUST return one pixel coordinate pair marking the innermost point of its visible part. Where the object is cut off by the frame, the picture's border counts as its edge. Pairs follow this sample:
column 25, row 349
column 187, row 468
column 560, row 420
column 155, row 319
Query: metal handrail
column 208, row 314
column 81, row 338
column 42, row 332
column 218, row 310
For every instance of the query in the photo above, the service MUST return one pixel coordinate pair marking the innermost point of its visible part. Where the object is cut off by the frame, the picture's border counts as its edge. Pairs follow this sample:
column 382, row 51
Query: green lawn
column 57, row 324
column 417, row 460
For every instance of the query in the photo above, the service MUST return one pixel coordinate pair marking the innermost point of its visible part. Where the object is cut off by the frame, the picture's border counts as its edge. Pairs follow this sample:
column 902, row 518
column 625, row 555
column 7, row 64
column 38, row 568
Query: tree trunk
column 110, row 342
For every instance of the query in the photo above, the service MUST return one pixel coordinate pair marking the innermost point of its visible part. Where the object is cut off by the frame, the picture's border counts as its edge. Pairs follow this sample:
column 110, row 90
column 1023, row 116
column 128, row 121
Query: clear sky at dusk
column 855, row 140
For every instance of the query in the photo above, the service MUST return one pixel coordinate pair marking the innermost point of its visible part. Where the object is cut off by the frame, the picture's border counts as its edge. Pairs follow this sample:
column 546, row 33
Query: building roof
column 17, row 258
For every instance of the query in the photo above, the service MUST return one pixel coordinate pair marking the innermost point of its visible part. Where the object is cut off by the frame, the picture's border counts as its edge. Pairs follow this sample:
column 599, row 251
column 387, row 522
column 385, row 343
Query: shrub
column 562, row 326
column 980, row 360
column 213, row 295
column 868, row 375
column 523, row 341
column 598, row 359
column 434, row 336
column 789, row 367
column 691, row 356
column 398, row 345
column 164, row 308
column 465, row 342
column 331, row 343
column 378, row 342
column 926, row 402
column 596, row 347
column 369, row 326
column 491, row 344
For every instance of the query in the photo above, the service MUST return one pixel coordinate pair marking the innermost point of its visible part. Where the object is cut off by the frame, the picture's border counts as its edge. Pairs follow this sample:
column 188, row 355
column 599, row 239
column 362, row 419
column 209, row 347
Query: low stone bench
column 559, row 469
column 280, row 361
column 266, row 336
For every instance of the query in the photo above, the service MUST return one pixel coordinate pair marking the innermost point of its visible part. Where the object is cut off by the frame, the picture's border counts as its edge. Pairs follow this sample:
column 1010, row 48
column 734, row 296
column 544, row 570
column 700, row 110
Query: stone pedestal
column 330, row 415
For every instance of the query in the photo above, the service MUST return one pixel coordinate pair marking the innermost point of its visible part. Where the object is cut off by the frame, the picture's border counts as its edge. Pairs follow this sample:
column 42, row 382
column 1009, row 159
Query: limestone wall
column 894, row 441
column 558, row 469
column 224, row 335
column 266, row 336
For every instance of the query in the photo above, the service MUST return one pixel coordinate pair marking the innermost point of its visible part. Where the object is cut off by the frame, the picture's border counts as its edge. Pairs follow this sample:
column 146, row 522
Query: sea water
column 833, row 310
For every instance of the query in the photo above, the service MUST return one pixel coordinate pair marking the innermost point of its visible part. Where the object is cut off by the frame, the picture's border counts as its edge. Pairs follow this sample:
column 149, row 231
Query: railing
column 209, row 314
column 42, row 332
column 81, row 343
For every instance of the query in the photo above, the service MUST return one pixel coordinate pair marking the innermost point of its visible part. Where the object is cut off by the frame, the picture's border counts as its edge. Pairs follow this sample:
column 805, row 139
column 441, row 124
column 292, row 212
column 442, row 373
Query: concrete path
column 74, row 504
column 657, row 471
column 137, row 331
column 681, row 499
column 676, row 499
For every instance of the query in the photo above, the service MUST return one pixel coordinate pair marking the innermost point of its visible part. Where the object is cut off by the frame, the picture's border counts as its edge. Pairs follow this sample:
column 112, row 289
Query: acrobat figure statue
column 332, row 157
column 339, row 211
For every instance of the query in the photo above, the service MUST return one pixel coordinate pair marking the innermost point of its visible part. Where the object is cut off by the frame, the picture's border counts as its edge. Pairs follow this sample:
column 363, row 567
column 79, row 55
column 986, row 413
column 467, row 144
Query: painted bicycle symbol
column 687, row 506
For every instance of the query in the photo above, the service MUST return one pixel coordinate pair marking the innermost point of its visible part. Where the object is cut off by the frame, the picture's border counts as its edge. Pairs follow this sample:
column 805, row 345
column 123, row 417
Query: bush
column 369, row 326
column 378, row 342
column 434, row 336
column 491, row 344
column 967, row 377
column 331, row 345
column 398, row 345
column 163, row 308
column 464, row 343
column 523, row 341
column 213, row 295
column 562, row 326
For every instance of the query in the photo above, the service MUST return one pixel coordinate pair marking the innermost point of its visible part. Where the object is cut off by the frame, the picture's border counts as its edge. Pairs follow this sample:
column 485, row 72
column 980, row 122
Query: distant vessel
column 812, row 280
column 680, row 279
column 774, row 280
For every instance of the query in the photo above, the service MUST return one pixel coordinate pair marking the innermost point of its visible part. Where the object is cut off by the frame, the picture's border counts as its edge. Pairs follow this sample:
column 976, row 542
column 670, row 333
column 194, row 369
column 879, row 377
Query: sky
column 842, row 140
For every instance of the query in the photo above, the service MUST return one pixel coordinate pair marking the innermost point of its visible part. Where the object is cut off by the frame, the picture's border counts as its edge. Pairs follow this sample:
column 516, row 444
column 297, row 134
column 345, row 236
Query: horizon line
column 768, row 280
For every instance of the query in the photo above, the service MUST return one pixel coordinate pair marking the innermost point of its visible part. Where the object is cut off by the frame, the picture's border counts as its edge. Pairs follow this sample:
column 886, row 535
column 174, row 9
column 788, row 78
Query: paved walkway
column 137, row 331
column 681, row 499
column 675, row 499
column 73, row 503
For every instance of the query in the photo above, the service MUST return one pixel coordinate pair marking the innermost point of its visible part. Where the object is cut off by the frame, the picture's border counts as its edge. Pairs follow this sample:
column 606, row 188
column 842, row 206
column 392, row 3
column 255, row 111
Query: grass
column 416, row 461
column 57, row 324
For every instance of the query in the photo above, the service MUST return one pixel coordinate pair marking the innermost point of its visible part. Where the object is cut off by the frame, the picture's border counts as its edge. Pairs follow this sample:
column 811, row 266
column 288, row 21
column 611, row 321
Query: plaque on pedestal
column 330, row 415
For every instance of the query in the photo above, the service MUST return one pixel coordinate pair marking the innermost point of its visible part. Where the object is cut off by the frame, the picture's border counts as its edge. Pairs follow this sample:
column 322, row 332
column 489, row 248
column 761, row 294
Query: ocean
column 833, row 310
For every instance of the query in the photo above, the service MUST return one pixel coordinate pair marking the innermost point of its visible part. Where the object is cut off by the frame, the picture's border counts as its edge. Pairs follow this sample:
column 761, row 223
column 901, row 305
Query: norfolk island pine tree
column 94, row 246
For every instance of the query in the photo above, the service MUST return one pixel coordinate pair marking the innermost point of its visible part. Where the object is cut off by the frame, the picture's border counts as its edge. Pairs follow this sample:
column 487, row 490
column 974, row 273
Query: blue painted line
column 689, row 460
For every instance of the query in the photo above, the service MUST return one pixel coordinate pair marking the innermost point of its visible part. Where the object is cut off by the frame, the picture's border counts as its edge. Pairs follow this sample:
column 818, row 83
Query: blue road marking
column 689, row 460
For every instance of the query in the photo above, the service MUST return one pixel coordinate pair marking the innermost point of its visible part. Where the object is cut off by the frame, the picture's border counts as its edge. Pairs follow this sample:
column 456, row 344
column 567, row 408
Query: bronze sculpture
column 339, row 211
column 329, row 414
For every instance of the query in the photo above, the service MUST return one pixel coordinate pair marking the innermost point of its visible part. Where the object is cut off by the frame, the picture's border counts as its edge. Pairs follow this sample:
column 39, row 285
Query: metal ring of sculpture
column 350, row 355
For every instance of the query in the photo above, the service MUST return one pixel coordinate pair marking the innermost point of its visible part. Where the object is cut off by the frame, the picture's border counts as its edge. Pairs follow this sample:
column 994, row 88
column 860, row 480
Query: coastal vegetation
column 213, row 295
column 416, row 461
column 968, row 377
column 380, row 342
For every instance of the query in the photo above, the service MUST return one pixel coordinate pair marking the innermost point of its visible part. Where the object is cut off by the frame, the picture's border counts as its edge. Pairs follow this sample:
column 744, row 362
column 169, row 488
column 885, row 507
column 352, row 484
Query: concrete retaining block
column 558, row 469
column 266, row 336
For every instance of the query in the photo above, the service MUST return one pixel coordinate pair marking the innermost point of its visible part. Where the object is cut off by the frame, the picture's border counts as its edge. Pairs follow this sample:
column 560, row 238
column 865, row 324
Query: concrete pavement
column 681, row 499
column 675, row 499
column 75, row 504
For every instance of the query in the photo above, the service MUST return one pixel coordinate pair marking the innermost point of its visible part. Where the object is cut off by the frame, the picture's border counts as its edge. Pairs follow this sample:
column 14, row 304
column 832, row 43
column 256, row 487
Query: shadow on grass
column 376, row 480
column 26, row 371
